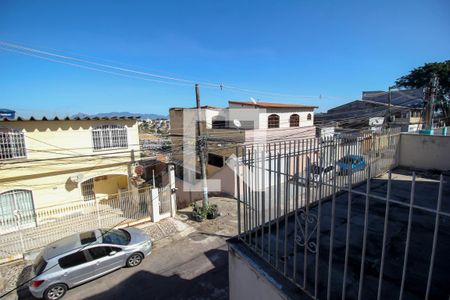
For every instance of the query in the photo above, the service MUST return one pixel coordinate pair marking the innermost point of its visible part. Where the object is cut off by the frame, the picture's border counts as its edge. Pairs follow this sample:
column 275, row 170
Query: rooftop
column 405, row 98
column 421, row 240
column 67, row 118
column 271, row 105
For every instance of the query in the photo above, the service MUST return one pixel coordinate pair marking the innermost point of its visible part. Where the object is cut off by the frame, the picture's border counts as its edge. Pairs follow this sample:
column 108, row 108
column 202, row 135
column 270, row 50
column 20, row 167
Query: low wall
column 251, row 278
column 425, row 151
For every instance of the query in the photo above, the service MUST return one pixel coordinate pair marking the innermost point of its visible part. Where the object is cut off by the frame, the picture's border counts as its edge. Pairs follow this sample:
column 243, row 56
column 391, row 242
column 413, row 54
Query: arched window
column 273, row 121
column 12, row 144
column 309, row 117
column 294, row 120
column 109, row 137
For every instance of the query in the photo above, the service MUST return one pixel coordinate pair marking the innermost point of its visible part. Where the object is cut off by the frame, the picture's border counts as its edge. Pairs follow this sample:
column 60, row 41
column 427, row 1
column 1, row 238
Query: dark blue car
column 355, row 162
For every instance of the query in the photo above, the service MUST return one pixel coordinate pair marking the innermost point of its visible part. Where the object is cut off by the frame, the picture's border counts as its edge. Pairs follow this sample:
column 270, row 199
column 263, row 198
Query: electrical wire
column 163, row 79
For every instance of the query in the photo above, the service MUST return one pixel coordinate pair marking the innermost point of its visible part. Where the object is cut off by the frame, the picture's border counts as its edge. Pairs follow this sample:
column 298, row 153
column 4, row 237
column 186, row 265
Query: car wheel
column 55, row 292
column 134, row 260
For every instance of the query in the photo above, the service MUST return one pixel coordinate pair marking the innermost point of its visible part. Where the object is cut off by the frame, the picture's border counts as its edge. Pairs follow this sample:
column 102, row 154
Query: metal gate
column 164, row 201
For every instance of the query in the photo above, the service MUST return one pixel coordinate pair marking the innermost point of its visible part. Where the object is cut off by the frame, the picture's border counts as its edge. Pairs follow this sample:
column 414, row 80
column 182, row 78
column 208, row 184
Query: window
column 12, row 144
column 109, row 137
column 87, row 237
column 39, row 265
column 273, row 121
column 87, row 190
column 72, row 260
column 294, row 120
column 116, row 236
column 309, row 117
column 17, row 201
column 102, row 251
column 215, row 160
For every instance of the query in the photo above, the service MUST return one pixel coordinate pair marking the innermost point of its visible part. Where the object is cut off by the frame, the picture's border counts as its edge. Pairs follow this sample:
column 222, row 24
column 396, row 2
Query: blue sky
column 332, row 48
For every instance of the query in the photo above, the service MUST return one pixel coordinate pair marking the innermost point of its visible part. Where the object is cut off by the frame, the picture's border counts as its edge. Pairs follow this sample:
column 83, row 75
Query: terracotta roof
column 203, row 107
column 67, row 118
column 271, row 105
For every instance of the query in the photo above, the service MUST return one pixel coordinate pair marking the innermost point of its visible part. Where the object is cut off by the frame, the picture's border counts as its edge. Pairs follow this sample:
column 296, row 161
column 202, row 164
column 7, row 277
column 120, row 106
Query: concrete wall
column 425, row 151
column 246, row 282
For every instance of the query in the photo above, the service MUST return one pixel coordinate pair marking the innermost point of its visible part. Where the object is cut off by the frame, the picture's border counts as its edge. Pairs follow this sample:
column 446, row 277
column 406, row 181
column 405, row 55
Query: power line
column 163, row 79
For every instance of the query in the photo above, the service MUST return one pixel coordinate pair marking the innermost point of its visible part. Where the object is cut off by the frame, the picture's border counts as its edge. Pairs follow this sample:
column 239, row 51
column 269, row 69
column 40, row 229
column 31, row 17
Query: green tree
column 420, row 77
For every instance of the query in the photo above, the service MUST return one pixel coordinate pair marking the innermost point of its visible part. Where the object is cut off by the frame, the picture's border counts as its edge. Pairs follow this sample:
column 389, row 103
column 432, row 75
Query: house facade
column 57, row 161
column 226, row 128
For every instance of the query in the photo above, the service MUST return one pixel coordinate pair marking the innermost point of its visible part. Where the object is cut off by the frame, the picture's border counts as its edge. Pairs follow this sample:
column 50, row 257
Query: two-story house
column 225, row 128
column 56, row 161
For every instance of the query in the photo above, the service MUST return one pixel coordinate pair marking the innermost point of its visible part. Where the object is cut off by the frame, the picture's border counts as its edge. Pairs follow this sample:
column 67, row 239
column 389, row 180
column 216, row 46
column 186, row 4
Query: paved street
column 194, row 266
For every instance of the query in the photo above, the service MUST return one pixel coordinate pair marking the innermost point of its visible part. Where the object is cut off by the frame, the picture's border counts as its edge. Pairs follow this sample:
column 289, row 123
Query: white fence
column 33, row 230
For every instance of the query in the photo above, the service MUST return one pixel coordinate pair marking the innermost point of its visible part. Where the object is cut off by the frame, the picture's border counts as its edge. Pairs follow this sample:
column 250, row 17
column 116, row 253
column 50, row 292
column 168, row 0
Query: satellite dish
column 237, row 123
column 253, row 100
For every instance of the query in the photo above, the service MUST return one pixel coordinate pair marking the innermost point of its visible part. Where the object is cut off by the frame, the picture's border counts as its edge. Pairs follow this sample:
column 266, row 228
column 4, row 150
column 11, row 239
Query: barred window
column 109, row 137
column 12, row 144
column 87, row 190
column 294, row 120
column 273, row 121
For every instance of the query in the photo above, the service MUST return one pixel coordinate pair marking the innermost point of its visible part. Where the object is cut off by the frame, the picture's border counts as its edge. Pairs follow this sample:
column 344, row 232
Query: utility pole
column 201, row 143
column 429, row 108
column 389, row 106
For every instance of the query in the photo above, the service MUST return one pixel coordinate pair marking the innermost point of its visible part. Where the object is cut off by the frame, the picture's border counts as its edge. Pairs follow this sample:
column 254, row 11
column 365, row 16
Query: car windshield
column 39, row 265
column 116, row 236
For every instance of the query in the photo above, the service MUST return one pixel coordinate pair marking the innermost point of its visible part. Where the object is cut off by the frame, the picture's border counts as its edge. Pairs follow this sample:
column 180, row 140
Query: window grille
column 87, row 190
column 109, row 137
column 273, row 121
column 16, row 202
column 309, row 117
column 12, row 144
column 294, row 120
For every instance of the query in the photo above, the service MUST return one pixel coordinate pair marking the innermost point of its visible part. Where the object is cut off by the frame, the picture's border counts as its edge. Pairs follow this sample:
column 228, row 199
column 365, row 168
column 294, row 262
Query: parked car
column 316, row 172
column 82, row 257
column 355, row 162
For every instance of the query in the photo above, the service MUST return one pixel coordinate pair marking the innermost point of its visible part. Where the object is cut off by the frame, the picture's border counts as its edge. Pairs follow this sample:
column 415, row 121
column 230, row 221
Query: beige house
column 56, row 161
column 225, row 128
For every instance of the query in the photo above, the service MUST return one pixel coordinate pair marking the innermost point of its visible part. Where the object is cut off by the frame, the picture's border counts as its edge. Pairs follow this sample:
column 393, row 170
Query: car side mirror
column 112, row 253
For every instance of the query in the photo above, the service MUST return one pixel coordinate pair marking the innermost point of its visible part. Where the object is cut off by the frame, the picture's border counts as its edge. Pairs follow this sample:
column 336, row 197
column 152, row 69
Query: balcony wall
column 425, row 151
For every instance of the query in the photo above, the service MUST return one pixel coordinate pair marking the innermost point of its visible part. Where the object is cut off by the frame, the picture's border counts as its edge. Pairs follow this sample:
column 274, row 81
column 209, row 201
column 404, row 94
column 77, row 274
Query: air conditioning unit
column 76, row 178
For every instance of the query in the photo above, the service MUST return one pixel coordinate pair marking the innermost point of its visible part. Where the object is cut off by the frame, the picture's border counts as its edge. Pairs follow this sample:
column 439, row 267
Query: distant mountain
column 122, row 114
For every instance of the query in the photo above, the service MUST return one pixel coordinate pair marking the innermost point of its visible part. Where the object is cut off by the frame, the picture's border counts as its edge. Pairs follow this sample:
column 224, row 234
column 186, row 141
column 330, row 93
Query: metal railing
column 351, row 232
